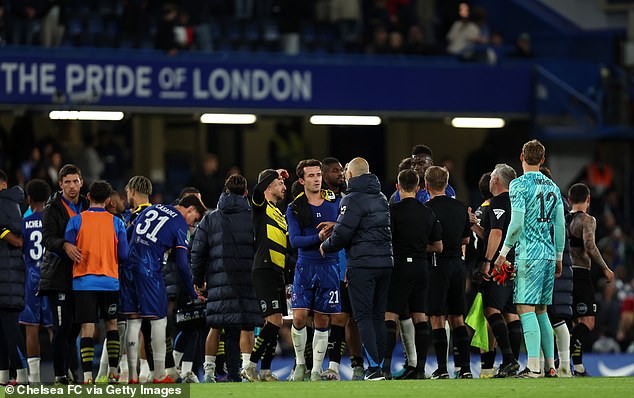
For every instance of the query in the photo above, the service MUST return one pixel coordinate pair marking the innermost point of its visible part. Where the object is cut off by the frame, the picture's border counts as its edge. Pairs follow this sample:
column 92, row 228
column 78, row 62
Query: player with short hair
column 498, row 299
column 447, row 275
column 421, row 160
column 222, row 256
column 310, row 217
column 536, row 214
column 101, row 241
column 343, row 328
column 584, row 252
column 56, row 279
column 270, row 229
column 415, row 232
column 37, row 309
column 157, row 229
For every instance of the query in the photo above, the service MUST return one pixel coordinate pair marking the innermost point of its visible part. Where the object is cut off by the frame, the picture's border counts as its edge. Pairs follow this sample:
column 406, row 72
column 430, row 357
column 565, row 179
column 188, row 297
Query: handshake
column 506, row 273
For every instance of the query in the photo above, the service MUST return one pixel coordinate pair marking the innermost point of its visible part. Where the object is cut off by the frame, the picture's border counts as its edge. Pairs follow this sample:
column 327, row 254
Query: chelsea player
column 310, row 218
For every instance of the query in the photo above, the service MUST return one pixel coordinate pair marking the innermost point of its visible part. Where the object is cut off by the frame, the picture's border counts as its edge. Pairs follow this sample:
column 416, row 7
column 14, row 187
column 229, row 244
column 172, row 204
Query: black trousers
column 12, row 345
column 65, row 333
column 368, row 289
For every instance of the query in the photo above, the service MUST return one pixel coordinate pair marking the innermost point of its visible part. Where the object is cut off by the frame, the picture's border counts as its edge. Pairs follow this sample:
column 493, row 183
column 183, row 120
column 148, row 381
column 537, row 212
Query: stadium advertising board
column 85, row 78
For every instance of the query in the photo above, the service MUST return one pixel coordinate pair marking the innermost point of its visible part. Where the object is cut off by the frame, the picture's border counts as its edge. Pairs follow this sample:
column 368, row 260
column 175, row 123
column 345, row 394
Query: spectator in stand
column 625, row 334
column 415, row 43
column 346, row 15
column 184, row 31
column 463, row 33
column 523, row 47
column 53, row 23
column 380, row 41
column 396, row 42
column 25, row 21
column 165, row 36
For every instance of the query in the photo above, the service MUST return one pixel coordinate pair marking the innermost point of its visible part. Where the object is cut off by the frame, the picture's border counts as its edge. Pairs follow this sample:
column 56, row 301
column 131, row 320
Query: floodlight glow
column 86, row 115
column 478, row 122
column 228, row 118
column 346, row 120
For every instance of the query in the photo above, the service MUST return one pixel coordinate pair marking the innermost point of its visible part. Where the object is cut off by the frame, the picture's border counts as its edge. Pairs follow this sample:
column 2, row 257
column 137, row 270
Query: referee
column 447, row 275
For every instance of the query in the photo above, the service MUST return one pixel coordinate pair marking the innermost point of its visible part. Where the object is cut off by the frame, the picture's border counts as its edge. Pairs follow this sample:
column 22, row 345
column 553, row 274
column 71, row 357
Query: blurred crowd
column 413, row 27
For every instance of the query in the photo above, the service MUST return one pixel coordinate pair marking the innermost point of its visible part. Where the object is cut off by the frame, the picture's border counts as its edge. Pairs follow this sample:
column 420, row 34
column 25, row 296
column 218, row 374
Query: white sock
column 320, row 345
column 246, row 358
column 408, row 336
column 299, row 342
column 22, row 376
column 334, row 366
column 533, row 364
column 178, row 356
column 580, row 368
column 210, row 364
column 158, row 346
column 187, row 367
column 123, row 364
column 132, row 339
column 562, row 336
column 144, row 367
column 34, row 369
column 4, row 376
column 103, row 361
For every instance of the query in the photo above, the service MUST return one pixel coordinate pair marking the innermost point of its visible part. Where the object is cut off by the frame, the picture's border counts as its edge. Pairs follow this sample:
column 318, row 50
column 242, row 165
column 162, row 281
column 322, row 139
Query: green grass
column 598, row 387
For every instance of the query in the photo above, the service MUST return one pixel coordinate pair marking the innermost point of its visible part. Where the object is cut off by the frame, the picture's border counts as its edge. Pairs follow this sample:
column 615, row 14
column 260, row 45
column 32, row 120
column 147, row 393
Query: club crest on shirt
column 342, row 210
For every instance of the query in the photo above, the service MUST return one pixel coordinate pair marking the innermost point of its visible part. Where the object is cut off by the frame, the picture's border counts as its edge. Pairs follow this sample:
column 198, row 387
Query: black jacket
column 222, row 255
column 562, row 291
column 56, row 269
column 363, row 225
column 12, row 266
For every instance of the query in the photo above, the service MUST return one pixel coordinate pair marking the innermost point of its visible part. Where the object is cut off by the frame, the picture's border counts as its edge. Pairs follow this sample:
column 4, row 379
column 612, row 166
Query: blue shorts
column 37, row 309
column 142, row 294
column 316, row 287
column 534, row 282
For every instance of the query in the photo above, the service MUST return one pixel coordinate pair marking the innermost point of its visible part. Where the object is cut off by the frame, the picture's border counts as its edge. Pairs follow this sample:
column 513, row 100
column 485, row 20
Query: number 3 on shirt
column 152, row 215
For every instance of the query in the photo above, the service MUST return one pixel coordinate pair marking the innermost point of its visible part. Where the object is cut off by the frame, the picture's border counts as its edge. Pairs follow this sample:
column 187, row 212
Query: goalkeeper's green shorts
column 534, row 281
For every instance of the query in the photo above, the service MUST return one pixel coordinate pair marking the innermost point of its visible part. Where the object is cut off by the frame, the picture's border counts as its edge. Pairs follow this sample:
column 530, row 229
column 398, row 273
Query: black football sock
column 336, row 343
column 390, row 343
column 501, row 336
column 423, row 340
column 487, row 359
column 112, row 347
column 87, row 351
column 439, row 337
column 461, row 340
column 267, row 334
column 516, row 336
column 579, row 334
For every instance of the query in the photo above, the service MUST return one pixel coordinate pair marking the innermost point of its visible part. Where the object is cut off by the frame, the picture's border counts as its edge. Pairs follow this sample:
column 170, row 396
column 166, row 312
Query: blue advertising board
column 109, row 79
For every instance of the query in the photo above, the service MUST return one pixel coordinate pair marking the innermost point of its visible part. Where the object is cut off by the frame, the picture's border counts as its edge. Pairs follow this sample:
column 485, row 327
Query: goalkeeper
column 497, row 294
column 537, row 210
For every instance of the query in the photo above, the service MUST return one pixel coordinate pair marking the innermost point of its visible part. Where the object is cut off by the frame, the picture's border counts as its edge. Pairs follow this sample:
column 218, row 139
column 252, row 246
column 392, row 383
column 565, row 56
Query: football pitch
column 597, row 387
